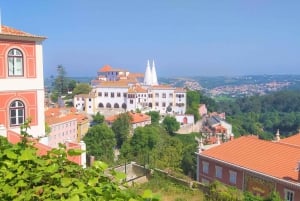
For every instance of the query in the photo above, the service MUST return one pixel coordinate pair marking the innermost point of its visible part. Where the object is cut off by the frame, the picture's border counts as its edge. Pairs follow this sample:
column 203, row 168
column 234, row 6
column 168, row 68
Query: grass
column 168, row 190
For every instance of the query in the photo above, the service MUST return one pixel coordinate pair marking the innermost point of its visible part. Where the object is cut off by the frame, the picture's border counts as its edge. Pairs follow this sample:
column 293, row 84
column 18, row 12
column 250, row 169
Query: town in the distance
column 240, row 131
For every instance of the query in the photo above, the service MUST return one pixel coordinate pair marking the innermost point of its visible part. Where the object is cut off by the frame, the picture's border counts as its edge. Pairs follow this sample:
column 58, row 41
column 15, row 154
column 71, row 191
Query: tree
column 143, row 141
column 71, row 85
column 26, row 176
column 98, row 118
column 154, row 117
column 168, row 153
column 100, row 142
column 121, row 127
column 170, row 124
column 193, row 100
column 82, row 88
column 60, row 82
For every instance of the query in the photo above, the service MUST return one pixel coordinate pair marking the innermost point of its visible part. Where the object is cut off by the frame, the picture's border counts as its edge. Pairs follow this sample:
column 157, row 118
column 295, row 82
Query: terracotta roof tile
column 136, row 118
column 106, row 68
column 5, row 30
column 137, row 89
column 293, row 140
column 270, row 158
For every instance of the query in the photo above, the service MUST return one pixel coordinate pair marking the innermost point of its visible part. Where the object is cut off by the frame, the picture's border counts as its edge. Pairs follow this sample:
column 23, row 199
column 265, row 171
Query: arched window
column 108, row 105
column 16, row 113
column 101, row 105
column 15, row 63
column 124, row 106
column 116, row 105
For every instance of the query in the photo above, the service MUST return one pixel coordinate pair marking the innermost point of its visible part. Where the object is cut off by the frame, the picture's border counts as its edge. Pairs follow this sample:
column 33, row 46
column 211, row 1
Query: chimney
column 277, row 136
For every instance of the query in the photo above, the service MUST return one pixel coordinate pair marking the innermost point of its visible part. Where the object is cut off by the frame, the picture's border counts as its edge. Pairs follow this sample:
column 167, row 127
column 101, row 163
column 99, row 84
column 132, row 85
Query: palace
column 120, row 90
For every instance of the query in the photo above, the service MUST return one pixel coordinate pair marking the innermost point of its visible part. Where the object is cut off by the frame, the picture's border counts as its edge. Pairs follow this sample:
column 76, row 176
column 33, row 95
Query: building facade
column 21, row 80
column 254, row 165
column 121, row 90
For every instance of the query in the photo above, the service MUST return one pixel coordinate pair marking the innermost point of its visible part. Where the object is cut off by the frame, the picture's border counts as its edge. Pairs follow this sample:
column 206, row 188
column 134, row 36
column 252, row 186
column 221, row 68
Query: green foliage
column 193, row 100
column 26, row 176
column 263, row 115
column 47, row 128
column 82, row 88
column 121, row 127
column 170, row 124
column 168, row 153
column 61, row 82
column 72, row 85
column 100, row 142
column 154, row 117
column 220, row 192
column 98, row 118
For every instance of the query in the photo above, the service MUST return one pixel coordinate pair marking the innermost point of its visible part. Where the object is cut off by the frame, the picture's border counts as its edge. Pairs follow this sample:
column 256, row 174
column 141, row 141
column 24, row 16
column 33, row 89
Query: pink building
column 63, row 126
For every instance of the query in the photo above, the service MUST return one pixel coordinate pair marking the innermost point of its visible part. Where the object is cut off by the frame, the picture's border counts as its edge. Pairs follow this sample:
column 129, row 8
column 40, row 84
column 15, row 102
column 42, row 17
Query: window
column 131, row 101
column 105, row 94
column 100, row 94
column 15, row 63
column 205, row 166
column 156, row 104
column 164, row 104
column 288, row 195
column 170, row 95
column 164, row 95
column 118, row 94
column 232, row 177
column 156, row 95
column 219, row 172
column 150, row 95
column 16, row 113
column 112, row 94
column 125, row 95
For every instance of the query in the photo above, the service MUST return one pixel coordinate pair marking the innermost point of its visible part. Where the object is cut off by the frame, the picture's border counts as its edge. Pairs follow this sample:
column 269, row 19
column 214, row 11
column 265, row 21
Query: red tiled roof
column 293, row 140
column 5, row 30
column 135, row 118
column 106, row 68
column 137, row 89
column 269, row 158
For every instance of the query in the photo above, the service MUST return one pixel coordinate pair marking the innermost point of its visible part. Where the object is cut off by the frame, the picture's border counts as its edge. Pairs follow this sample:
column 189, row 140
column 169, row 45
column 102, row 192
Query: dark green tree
column 154, row 117
column 170, row 124
column 61, row 82
column 71, row 85
column 100, row 142
column 121, row 127
column 98, row 118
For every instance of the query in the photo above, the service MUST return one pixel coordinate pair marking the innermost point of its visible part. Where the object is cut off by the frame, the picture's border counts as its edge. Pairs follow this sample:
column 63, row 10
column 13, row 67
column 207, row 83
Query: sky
column 183, row 37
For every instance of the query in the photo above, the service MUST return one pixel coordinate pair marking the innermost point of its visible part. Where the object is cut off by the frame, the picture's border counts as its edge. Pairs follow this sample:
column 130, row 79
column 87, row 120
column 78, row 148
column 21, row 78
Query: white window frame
column 289, row 195
column 15, row 60
column 232, row 177
column 219, row 170
column 205, row 167
column 16, row 113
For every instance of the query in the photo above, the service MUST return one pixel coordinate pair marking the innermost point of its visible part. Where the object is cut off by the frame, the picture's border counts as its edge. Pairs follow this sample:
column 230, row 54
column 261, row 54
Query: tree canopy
column 100, row 142
column 171, row 124
column 121, row 127
column 154, row 117
column 27, row 176
column 82, row 88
